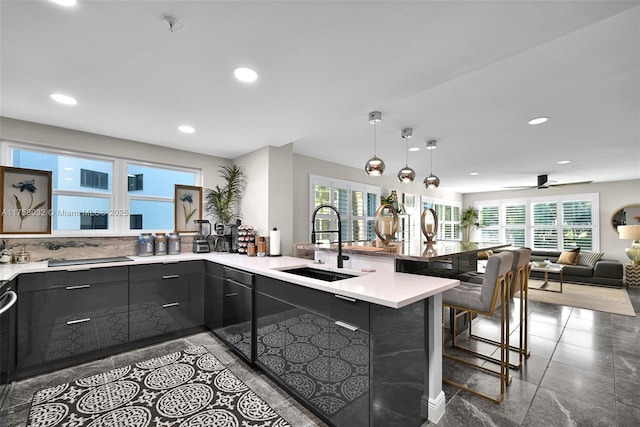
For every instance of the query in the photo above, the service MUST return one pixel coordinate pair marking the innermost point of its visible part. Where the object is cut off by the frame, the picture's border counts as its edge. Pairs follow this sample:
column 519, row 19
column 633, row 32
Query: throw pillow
column 569, row 257
column 589, row 258
column 485, row 254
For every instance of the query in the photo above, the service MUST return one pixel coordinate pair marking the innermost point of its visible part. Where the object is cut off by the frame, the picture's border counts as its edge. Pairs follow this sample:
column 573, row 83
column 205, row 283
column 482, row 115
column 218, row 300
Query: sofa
column 604, row 271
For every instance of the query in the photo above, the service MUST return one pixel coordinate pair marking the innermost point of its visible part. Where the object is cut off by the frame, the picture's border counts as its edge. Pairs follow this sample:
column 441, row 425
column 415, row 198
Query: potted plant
column 222, row 202
column 468, row 221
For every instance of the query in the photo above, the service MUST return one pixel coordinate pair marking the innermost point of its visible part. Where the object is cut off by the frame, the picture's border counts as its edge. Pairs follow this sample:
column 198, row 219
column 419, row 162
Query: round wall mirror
column 626, row 216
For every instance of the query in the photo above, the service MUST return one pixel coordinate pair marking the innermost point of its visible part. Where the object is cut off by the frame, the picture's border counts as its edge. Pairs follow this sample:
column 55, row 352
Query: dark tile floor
column 584, row 370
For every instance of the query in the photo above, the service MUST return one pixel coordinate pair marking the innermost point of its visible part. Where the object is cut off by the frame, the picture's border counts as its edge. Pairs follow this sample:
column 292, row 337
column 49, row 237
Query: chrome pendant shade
column 406, row 174
column 375, row 166
column 432, row 181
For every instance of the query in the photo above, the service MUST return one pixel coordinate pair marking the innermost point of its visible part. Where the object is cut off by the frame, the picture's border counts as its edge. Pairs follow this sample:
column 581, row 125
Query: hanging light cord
column 431, row 153
column 406, row 152
column 375, row 151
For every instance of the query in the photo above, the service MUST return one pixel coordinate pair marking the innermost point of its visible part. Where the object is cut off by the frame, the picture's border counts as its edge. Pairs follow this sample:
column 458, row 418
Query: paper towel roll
column 274, row 242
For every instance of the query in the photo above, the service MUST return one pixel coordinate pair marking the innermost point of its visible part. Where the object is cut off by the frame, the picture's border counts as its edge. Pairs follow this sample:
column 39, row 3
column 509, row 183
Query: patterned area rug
column 599, row 298
column 184, row 389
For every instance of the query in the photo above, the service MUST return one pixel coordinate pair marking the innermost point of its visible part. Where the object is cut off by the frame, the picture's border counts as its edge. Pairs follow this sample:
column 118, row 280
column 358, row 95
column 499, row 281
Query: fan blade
column 570, row 183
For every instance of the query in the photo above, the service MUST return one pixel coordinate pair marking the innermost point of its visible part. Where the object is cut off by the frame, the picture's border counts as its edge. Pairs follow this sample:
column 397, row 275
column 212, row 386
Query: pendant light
column 432, row 181
column 406, row 174
column 375, row 165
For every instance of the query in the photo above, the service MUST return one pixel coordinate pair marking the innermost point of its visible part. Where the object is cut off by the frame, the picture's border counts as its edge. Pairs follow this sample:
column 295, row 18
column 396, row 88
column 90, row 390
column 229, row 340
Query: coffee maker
column 227, row 240
column 201, row 238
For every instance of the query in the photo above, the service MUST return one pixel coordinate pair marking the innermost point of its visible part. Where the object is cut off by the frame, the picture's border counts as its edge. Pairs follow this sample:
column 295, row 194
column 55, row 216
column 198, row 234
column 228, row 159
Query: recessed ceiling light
column 414, row 149
column 186, row 129
column 63, row 99
column 564, row 162
column 538, row 120
column 65, row 2
column 474, row 173
column 245, row 74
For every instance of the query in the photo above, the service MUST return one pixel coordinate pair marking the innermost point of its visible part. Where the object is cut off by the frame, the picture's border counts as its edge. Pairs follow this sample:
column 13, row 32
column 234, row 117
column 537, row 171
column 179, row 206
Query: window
column 448, row 220
column 94, row 179
column 542, row 223
column 107, row 194
column 357, row 204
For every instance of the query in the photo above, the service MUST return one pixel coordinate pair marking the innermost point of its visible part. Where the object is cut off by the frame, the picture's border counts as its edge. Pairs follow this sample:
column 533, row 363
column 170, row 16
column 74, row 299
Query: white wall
column 613, row 196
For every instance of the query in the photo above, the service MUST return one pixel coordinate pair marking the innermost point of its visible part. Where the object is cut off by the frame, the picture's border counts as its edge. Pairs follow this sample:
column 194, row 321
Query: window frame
column 119, row 198
column 347, row 220
column 559, row 227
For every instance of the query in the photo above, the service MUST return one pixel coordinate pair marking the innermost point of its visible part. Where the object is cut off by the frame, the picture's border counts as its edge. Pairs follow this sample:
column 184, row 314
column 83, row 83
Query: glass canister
column 174, row 246
column 145, row 244
column 161, row 244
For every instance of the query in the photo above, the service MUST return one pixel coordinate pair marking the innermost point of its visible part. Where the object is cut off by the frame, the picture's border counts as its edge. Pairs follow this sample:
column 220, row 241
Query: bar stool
column 519, row 282
column 470, row 298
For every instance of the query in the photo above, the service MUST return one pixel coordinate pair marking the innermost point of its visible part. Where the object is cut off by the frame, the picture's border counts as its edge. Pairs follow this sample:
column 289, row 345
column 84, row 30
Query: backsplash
column 81, row 247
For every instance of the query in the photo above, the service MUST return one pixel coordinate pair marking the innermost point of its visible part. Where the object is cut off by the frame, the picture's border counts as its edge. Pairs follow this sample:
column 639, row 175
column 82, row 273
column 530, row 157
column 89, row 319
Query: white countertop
column 389, row 289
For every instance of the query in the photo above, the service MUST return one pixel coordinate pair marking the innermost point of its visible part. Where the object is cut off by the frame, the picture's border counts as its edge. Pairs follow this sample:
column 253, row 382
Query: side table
column 549, row 268
column 632, row 274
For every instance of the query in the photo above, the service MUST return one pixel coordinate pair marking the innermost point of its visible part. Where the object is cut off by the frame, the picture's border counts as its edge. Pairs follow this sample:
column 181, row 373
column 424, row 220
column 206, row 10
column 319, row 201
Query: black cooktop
column 63, row 262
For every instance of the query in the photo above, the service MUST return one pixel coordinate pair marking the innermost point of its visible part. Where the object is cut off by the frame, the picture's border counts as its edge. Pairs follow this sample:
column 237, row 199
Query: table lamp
column 631, row 232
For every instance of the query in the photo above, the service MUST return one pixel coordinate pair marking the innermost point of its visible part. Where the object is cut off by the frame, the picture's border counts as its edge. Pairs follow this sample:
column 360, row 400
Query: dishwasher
column 237, row 326
column 8, row 298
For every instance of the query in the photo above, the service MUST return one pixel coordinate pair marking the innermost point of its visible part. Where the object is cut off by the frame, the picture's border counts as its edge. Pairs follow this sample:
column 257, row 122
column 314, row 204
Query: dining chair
column 472, row 299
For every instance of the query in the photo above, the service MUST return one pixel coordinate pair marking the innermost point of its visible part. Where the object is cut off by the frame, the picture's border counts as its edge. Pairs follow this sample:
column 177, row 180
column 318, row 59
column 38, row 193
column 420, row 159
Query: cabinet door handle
column 345, row 298
column 171, row 304
column 232, row 294
column 346, row 325
column 70, row 288
column 171, row 276
column 73, row 322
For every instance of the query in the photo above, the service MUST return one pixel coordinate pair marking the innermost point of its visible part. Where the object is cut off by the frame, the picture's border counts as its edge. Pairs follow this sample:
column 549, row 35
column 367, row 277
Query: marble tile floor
column 584, row 370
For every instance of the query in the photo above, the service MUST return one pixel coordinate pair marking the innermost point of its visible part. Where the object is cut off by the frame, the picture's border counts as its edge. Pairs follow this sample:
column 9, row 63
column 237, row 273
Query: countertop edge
column 395, row 290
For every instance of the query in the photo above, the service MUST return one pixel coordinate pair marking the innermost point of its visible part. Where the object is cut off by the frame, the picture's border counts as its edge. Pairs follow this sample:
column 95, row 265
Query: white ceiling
column 469, row 74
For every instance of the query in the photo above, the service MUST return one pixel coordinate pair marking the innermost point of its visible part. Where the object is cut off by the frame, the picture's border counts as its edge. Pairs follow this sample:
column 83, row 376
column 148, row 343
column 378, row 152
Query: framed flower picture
column 25, row 201
column 188, row 206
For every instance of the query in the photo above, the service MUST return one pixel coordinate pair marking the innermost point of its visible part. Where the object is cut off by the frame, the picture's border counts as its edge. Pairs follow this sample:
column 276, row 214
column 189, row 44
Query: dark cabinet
column 165, row 298
column 66, row 313
column 234, row 319
column 213, row 289
column 317, row 346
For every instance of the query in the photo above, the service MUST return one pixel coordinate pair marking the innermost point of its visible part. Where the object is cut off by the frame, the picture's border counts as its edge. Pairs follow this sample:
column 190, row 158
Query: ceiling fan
column 544, row 182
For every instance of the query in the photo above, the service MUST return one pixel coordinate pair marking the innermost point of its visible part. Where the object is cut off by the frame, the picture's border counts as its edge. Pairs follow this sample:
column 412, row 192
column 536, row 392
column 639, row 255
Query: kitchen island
column 396, row 316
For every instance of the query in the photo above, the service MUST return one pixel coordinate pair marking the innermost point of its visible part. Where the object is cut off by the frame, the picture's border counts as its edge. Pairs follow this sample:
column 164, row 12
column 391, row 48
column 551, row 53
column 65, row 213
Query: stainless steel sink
column 316, row 273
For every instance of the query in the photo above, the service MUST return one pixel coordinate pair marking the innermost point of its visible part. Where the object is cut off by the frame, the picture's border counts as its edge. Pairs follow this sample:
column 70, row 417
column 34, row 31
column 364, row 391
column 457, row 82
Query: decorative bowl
column 541, row 263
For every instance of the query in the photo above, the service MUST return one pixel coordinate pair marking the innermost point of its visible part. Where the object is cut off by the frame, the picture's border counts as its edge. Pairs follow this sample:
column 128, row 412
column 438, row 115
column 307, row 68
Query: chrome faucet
column 339, row 231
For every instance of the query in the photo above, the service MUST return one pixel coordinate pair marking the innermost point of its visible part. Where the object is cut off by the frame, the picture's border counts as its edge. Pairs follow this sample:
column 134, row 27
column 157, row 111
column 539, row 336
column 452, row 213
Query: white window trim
column 118, row 198
column 339, row 183
column 529, row 201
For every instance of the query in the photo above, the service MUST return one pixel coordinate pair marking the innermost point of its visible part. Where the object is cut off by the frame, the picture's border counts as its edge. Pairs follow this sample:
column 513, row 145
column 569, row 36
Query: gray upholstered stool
column 470, row 298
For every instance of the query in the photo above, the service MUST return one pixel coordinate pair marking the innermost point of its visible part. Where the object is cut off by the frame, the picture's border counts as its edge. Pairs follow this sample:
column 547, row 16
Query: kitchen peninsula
column 360, row 351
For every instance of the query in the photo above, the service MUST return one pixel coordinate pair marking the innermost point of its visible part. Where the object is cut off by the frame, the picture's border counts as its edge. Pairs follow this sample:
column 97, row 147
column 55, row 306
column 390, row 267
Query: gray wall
column 613, row 196
column 305, row 166
column 52, row 136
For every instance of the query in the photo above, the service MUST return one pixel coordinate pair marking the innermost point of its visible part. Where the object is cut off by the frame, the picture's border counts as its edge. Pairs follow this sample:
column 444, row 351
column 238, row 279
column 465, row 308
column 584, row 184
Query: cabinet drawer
column 159, row 320
column 300, row 296
column 350, row 310
column 61, row 279
column 60, row 305
column 155, row 292
column 213, row 268
column 62, row 340
column 161, row 270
